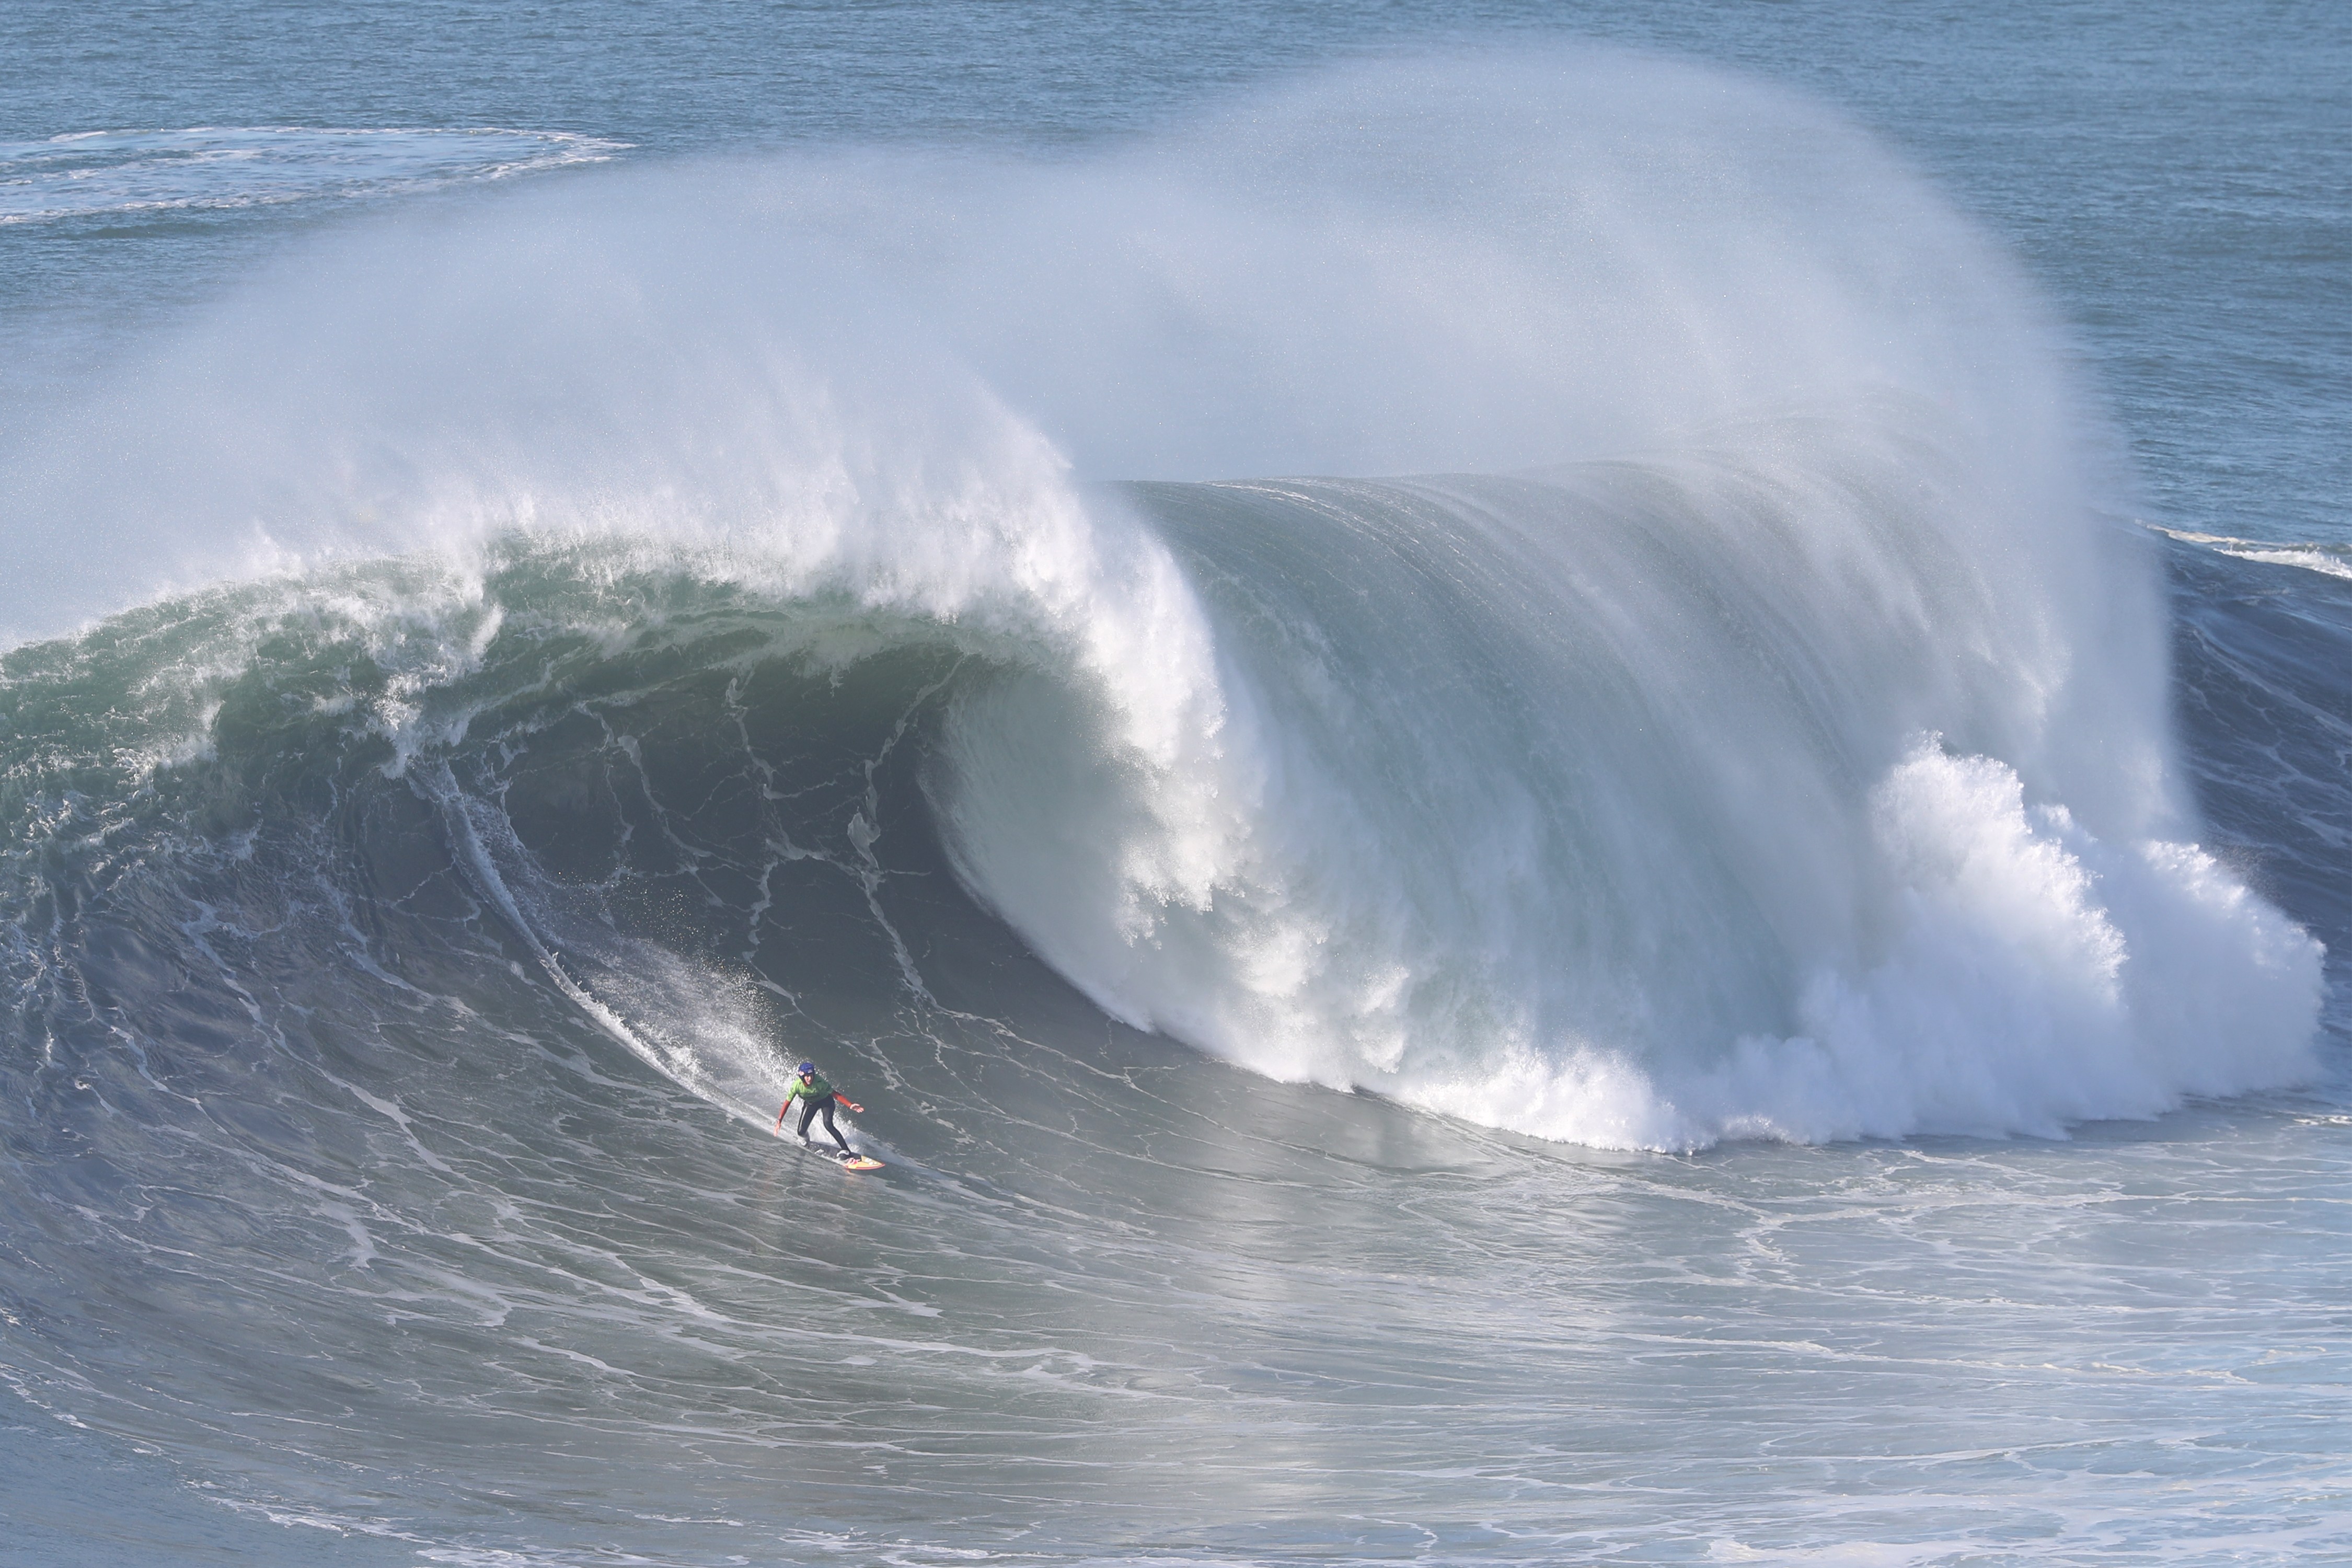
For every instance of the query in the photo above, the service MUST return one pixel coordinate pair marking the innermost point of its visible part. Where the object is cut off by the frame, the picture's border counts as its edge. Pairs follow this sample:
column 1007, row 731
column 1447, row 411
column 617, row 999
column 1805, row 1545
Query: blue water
column 1570, row 787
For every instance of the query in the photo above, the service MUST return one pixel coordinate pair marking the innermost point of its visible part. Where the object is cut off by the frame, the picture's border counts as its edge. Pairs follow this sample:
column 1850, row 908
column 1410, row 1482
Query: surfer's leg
column 808, row 1109
column 829, row 1127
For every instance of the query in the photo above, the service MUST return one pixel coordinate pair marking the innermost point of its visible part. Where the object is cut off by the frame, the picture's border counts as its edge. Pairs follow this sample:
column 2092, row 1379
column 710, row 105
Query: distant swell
column 94, row 174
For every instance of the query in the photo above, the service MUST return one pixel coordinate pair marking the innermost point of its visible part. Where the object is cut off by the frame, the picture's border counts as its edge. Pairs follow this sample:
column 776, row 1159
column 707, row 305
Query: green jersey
column 808, row 1088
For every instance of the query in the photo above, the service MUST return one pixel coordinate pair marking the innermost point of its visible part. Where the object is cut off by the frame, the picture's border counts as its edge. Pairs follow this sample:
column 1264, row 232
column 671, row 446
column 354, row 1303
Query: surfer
column 815, row 1095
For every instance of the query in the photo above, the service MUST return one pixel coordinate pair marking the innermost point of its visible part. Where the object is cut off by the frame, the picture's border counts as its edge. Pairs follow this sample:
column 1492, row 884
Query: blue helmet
column 808, row 1067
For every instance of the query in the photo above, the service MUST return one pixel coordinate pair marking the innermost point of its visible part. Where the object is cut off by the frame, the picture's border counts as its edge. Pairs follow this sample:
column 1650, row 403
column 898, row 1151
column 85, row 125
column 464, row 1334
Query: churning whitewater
column 1751, row 721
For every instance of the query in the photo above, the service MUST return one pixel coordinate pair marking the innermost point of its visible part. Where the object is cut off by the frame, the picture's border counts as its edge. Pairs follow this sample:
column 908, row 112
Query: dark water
column 1514, row 1016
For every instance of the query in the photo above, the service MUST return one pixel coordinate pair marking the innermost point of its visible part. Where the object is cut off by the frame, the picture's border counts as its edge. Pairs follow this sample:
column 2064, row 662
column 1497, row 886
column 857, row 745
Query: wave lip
column 90, row 173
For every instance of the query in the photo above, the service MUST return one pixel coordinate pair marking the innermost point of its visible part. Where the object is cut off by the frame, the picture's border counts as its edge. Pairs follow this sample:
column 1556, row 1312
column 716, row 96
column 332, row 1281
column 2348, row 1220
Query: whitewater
column 1481, row 759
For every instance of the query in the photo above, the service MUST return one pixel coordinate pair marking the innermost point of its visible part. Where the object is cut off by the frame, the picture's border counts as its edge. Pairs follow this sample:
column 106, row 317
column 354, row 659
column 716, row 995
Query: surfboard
column 847, row 1161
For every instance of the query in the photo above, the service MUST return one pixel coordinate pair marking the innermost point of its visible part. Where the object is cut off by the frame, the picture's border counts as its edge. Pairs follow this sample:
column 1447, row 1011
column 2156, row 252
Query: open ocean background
column 1571, row 788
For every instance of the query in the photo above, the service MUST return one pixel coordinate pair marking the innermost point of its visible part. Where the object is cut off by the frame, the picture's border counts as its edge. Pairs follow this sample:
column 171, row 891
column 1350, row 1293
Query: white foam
column 2030, row 976
column 2325, row 562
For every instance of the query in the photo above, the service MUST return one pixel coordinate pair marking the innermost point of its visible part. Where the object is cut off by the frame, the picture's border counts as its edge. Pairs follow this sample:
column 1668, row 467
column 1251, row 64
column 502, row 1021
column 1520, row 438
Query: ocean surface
column 1568, row 787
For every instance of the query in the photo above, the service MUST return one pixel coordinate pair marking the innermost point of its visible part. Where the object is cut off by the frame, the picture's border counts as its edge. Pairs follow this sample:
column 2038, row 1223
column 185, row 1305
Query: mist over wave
column 1751, row 721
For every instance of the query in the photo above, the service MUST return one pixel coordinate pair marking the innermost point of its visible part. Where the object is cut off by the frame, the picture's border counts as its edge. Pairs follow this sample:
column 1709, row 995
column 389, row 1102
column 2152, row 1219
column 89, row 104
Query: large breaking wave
column 1753, row 720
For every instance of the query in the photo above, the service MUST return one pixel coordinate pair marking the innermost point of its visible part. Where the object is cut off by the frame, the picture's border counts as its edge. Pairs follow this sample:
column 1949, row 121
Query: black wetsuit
column 814, row 1098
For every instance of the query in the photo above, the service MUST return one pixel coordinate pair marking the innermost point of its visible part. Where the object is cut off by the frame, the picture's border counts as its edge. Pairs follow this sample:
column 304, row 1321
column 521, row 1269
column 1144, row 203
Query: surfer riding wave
column 815, row 1094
